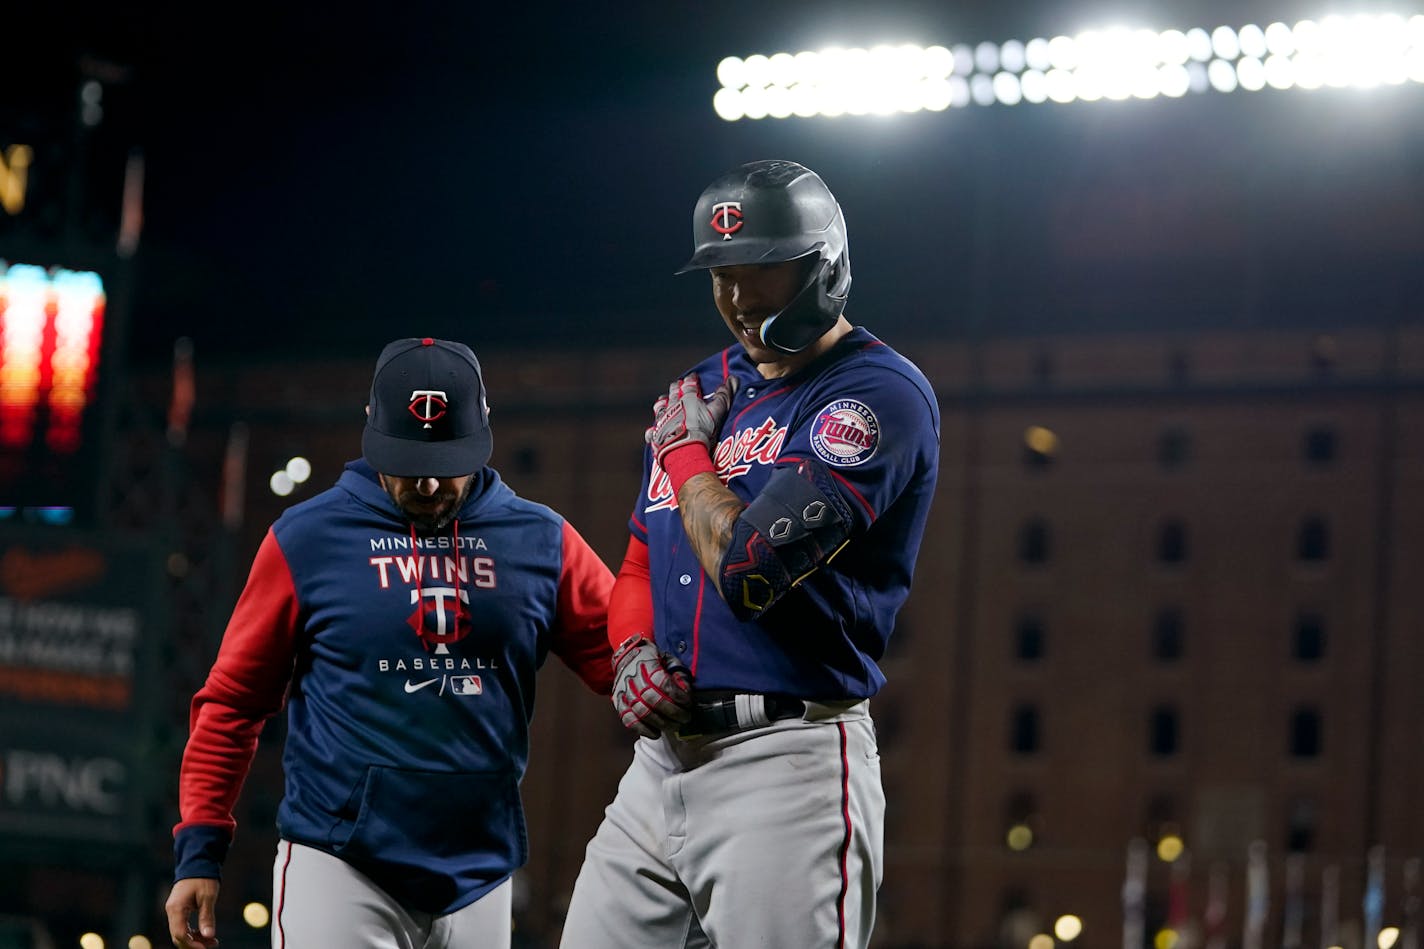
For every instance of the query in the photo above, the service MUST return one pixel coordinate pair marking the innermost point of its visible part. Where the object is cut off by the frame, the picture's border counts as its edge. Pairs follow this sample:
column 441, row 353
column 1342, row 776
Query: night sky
column 323, row 179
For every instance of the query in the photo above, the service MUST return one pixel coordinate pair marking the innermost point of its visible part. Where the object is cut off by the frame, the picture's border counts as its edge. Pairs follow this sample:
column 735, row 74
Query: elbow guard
column 797, row 523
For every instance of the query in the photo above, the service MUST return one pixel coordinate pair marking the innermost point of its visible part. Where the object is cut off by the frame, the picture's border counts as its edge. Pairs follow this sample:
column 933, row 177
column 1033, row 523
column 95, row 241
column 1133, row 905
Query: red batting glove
column 652, row 691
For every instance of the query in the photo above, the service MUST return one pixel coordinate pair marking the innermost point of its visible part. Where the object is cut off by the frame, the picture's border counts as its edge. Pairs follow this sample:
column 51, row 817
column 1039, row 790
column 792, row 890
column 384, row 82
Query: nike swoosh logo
column 419, row 685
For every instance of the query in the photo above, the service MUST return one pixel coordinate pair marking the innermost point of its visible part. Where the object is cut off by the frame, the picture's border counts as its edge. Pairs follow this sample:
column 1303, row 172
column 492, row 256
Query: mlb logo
column 466, row 685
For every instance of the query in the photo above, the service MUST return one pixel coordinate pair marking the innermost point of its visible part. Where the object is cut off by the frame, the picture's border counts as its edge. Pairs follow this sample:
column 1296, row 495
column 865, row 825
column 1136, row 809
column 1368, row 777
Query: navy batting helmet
column 767, row 212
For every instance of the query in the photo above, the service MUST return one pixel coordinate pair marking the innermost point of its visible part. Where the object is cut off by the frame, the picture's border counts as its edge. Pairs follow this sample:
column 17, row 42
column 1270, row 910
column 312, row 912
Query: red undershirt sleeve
column 630, row 609
column 580, row 634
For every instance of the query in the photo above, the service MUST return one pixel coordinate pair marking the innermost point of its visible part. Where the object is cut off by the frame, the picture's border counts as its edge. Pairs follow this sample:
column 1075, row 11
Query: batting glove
column 683, row 417
column 651, row 690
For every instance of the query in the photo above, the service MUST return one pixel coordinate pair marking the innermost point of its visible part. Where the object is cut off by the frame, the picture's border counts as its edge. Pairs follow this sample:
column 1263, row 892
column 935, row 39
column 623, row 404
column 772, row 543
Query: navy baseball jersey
column 870, row 416
column 407, row 663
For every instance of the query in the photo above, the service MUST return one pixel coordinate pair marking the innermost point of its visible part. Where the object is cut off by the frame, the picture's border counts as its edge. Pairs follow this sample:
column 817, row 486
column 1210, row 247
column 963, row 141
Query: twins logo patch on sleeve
column 845, row 433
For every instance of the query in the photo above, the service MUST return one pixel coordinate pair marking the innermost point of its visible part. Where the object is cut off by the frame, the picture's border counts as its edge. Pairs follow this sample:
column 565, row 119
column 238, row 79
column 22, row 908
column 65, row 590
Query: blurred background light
column 1012, row 56
column 1041, row 440
column 1036, row 54
column 1068, row 927
column 963, row 60
column 1116, row 63
column 281, row 483
column 1170, row 848
column 1224, row 43
column 986, row 57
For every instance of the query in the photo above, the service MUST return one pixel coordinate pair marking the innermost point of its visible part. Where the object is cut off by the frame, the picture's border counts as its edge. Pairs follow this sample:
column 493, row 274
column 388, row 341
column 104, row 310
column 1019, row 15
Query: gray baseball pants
column 322, row 902
column 770, row 837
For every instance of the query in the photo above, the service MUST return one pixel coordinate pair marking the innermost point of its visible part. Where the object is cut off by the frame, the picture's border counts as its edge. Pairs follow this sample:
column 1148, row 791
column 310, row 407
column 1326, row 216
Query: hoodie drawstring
column 457, row 612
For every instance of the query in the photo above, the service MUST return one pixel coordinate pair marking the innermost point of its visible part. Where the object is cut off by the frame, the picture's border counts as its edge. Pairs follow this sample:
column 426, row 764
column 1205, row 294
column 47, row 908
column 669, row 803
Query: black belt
column 714, row 712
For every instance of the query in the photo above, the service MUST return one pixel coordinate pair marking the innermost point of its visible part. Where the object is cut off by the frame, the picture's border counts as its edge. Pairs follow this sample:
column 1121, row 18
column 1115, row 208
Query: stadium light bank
column 1359, row 51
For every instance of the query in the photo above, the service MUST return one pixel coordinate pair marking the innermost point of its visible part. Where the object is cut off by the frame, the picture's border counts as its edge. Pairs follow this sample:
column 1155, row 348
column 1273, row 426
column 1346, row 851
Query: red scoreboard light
column 51, row 333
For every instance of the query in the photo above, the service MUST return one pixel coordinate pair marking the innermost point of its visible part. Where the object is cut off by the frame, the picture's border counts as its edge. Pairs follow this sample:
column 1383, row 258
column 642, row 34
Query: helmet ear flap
column 838, row 278
column 810, row 313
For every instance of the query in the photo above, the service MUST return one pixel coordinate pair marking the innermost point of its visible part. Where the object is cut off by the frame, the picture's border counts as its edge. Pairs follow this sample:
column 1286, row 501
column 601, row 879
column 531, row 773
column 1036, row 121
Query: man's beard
column 426, row 520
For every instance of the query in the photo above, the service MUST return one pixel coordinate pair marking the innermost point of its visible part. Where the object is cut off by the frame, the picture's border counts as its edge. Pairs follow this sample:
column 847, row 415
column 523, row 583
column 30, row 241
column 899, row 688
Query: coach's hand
column 193, row 893
column 651, row 690
column 683, row 417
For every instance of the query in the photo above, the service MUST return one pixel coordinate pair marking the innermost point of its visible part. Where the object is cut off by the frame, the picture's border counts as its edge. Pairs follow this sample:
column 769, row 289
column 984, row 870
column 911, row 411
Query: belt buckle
column 684, row 733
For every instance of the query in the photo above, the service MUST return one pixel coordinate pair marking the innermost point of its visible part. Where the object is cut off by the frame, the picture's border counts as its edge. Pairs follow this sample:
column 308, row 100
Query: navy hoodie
column 408, row 715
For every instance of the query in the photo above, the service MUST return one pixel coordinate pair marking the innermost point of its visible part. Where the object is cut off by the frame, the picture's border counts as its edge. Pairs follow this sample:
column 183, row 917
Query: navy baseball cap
column 428, row 415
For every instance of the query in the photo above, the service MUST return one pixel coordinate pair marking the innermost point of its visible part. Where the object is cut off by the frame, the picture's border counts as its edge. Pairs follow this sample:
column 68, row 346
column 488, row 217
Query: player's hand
column 652, row 691
column 188, row 895
column 683, row 417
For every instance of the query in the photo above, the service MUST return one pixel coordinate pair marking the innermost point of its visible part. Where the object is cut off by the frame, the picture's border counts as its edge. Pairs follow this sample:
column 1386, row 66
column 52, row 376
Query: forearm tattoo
column 709, row 512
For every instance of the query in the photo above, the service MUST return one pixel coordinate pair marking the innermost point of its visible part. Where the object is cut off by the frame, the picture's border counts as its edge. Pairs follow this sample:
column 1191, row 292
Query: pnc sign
column 77, row 785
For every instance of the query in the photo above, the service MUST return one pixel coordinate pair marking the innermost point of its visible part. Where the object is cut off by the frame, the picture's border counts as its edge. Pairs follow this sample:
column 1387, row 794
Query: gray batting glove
column 683, row 417
column 652, row 691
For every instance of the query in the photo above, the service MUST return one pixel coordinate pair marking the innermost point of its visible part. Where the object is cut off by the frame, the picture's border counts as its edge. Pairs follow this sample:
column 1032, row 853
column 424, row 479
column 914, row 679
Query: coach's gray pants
column 322, row 902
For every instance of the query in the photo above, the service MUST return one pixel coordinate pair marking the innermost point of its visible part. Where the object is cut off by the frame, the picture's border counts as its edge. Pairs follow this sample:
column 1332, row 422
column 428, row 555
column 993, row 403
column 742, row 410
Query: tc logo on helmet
column 727, row 218
column 428, row 405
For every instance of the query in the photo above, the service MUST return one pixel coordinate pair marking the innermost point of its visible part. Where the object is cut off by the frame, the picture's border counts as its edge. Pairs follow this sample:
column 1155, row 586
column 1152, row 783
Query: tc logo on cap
column 427, row 415
column 428, row 405
column 727, row 218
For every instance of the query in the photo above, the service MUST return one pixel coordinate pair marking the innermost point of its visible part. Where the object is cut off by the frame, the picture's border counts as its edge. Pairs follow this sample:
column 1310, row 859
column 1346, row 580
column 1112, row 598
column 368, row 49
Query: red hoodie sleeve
column 630, row 610
column 246, row 686
column 580, row 635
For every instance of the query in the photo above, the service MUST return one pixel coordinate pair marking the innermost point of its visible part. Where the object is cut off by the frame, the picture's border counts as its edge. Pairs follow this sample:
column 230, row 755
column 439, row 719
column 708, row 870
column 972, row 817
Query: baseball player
column 773, row 541
column 401, row 615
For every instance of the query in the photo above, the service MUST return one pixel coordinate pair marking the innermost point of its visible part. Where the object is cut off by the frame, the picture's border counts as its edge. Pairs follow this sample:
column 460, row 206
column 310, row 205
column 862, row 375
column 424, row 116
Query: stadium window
column 1014, row 898
column 1024, row 737
column 1324, row 352
column 1172, row 542
column 1179, row 367
column 527, row 461
column 1160, row 810
column 1043, row 369
column 1308, row 644
column 1301, row 824
column 1305, row 739
column 1174, row 447
column 1318, row 445
column 1163, row 730
column 1020, row 820
column 1029, row 637
column 1019, row 921
column 1020, row 807
column 1167, row 635
column 1035, row 542
column 1313, row 540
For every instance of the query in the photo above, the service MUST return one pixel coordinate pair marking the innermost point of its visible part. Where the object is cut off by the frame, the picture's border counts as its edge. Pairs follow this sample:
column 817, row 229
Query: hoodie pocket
column 465, row 826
